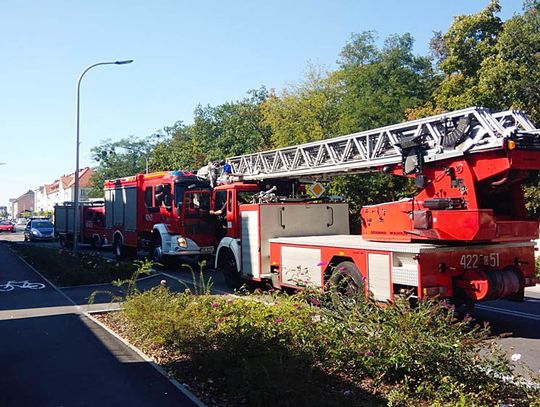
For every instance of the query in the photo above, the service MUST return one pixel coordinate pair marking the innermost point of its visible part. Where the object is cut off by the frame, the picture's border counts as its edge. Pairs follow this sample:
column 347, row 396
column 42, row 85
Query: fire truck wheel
column 227, row 263
column 346, row 279
column 157, row 251
column 118, row 249
column 167, row 261
column 96, row 243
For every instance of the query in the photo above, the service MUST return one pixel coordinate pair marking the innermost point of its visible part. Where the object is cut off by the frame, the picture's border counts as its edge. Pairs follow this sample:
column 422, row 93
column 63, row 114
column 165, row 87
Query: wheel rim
column 158, row 253
column 342, row 281
column 346, row 286
column 230, row 270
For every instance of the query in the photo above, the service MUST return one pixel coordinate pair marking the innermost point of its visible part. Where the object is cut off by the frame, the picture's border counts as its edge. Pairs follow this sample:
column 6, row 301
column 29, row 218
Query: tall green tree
column 304, row 112
column 377, row 86
column 510, row 77
column 217, row 132
column 460, row 52
column 116, row 159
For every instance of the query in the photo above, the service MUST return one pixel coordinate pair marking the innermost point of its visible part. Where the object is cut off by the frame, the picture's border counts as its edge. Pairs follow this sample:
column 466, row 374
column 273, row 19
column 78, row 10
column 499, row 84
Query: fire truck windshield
column 195, row 199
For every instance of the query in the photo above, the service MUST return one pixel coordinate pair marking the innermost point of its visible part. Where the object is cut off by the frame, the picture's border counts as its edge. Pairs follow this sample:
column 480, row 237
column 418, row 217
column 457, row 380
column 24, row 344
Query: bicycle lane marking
column 14, row 268
column 12, row 285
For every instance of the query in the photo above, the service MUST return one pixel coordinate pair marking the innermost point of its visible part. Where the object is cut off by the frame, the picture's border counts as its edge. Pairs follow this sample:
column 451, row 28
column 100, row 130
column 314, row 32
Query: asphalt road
column 521, row 320
column 53, row 355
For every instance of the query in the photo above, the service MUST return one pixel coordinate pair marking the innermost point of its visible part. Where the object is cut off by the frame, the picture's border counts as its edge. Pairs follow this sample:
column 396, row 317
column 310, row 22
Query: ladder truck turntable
column 464, row 235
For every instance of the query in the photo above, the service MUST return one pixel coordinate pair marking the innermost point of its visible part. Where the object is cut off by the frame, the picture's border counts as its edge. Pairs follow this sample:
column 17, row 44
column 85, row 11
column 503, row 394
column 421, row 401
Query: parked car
column 39, row 229
column 7, row 226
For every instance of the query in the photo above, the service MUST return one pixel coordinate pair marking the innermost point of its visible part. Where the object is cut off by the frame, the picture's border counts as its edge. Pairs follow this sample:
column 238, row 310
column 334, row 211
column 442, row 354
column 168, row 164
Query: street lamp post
column 76, row 186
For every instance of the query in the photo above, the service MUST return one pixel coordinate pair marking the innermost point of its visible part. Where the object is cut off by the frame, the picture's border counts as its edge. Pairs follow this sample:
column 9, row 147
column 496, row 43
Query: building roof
column 84, row 178
column 29, row 192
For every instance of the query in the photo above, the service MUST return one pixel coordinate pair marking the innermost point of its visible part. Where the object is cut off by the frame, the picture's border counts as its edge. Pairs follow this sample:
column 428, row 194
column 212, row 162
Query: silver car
column 39, row 229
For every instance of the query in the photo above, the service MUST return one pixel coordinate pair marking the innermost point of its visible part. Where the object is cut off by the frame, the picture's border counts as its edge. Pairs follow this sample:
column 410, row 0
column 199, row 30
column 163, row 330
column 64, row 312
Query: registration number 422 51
column 473, row 261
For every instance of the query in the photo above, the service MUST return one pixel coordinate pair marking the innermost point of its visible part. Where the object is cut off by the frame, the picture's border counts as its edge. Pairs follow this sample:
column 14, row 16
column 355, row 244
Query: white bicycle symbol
column 11, row 285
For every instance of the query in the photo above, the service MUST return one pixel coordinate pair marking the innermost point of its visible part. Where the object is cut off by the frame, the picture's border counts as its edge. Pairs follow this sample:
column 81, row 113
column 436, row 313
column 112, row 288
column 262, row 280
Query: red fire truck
column 165, row 213
column 464, row 235
column 91, row 228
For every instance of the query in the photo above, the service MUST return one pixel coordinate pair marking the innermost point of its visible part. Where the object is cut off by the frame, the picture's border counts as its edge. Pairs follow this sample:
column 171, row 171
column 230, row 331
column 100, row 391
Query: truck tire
column 168, row 262
column 95, row 244
column 157, row 249
column 118, row 249
column 227, row 264
column 346, row 280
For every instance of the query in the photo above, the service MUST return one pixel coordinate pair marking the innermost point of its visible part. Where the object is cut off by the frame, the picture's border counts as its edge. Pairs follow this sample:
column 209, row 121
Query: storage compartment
column 267, row 221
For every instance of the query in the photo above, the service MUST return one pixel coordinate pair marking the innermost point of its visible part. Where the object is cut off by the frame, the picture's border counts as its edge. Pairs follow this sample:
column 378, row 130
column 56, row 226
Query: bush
column 311, row 349
column 64, row 269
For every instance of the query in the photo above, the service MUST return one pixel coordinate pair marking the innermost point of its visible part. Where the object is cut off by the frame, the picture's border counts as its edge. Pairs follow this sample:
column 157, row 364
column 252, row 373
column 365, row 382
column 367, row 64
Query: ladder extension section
column 442, row 136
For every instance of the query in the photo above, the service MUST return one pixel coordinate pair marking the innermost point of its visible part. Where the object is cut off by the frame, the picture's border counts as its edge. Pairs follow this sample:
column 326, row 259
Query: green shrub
column 64, row 269
column 311, row 349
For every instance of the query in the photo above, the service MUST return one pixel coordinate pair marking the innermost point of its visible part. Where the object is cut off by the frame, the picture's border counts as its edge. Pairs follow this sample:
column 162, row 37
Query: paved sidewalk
column 53, row 355
column 533, row 290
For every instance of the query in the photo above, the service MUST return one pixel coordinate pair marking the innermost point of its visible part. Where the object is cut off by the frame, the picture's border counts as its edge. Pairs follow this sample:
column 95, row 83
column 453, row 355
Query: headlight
column 35, row 232
column 182, row 242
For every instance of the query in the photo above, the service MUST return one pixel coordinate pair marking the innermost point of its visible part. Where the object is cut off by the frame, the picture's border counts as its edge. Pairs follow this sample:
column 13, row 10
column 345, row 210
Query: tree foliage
column 305, row 112
column 218, row 132
column 470, row 40
column 117, row 159
column 376, row 85
column 510, row 77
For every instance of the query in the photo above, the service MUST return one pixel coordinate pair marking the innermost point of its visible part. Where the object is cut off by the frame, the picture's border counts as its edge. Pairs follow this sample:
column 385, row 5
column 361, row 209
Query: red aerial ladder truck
column 165, row 213
column 464, row 235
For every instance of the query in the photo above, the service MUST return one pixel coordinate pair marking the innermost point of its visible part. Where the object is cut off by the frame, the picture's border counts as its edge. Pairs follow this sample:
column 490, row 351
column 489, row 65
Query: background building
column 23, row 204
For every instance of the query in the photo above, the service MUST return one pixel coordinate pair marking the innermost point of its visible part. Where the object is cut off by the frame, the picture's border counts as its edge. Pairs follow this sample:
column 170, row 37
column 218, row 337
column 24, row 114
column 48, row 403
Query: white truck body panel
column 268, row 221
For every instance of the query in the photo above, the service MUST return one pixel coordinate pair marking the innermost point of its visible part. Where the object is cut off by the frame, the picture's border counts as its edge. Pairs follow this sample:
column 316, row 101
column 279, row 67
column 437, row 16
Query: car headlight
column 182, row 242
column 35, row 232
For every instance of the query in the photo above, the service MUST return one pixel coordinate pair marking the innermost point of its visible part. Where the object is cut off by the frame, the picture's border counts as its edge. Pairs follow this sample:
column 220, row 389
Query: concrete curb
column 162, row 371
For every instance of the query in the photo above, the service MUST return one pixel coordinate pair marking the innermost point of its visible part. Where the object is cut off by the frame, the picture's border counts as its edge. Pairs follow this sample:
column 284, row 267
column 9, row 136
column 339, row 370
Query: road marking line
column 509, row 312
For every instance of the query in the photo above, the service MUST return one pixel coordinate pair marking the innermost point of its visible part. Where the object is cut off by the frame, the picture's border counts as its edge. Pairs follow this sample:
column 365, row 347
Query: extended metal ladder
column 442, row 136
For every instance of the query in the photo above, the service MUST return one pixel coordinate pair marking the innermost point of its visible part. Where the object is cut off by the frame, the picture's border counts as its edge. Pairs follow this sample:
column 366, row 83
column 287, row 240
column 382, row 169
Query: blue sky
column 184, row 52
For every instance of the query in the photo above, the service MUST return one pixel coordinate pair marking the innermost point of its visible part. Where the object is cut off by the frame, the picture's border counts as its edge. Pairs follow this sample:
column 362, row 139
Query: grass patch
column 64, row 269
column 311, row 349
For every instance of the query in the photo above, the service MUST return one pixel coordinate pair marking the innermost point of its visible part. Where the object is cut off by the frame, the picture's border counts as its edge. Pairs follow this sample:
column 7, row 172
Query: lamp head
column 125, row 61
